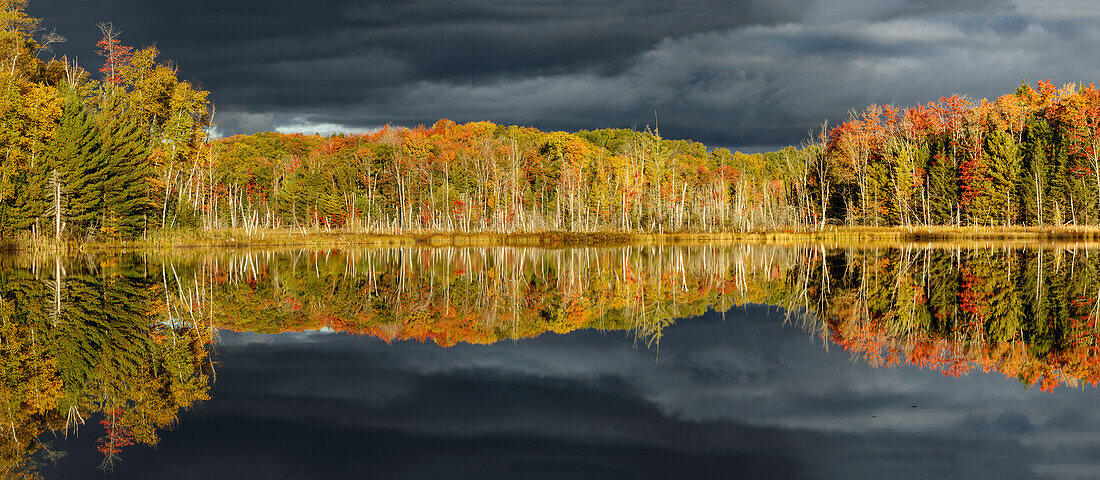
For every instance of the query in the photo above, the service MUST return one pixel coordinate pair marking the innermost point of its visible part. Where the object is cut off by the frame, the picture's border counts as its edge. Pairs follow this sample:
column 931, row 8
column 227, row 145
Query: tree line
column 483, row 177
column 127, row 152
column 1028, row 158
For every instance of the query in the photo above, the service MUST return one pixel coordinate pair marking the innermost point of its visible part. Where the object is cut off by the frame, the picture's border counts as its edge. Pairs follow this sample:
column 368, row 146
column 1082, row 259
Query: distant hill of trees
column 1027, row 158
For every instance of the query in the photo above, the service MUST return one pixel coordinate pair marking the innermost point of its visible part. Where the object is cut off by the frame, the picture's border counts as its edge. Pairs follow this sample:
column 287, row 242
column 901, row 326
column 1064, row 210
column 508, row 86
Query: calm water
column 905, row 361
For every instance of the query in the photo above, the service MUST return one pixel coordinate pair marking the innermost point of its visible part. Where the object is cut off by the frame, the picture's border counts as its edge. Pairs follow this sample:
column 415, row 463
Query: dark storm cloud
column 741, row 73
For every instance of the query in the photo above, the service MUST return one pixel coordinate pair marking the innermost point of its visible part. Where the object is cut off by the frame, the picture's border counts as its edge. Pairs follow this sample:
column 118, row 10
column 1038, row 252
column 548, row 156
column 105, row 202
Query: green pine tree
column 1003, row 163
column 1034, row 186
column 125, row 184
column 943, row 188
column 1060, row 210
column 77, row 163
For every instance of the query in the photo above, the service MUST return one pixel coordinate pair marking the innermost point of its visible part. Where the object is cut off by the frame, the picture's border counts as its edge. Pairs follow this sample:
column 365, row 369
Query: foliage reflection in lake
column 126, row 341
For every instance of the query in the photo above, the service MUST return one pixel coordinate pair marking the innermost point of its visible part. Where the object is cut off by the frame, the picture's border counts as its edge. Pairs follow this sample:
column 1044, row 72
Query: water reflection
column 85, row 340
column 125, row 341
column 1029, row 313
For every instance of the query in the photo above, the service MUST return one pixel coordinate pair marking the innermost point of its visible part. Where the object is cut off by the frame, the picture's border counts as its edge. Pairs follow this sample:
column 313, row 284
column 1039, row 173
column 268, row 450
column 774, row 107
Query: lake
column 931, row 360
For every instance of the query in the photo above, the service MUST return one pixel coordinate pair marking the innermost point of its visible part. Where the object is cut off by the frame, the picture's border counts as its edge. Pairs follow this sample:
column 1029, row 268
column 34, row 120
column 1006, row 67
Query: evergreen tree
column 1035, row 178
column 943, row 185
column 1059, row 191
column 125, row 185
column 903, row 164
column 1003, row 165
column 75, row 157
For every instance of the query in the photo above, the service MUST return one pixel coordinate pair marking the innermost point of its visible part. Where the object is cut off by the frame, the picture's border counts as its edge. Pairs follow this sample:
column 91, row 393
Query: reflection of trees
column 82, row 339
column 123, row 342
column 485, row 295
column 1026, row 313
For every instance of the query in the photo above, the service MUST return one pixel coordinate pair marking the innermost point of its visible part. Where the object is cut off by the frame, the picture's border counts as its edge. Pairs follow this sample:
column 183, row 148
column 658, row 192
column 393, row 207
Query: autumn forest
column 126, row 150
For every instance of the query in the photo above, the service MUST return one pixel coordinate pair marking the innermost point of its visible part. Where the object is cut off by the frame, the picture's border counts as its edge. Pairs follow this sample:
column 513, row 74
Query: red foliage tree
column 115, row 438
column 115, row 54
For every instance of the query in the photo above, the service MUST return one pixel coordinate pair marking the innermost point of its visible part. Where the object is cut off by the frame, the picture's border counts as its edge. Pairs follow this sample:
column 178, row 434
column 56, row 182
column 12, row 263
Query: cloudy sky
column 740, row 73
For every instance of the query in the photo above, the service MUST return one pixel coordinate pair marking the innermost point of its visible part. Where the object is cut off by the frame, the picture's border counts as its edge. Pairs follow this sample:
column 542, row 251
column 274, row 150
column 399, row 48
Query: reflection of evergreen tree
column 80, row 337
column 125, row 308
column 105, row 351
column 996, row 308
column 1035, row 307
column 943, row 291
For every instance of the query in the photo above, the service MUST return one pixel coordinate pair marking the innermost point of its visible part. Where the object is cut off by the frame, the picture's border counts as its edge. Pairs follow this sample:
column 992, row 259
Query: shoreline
column 239, row 238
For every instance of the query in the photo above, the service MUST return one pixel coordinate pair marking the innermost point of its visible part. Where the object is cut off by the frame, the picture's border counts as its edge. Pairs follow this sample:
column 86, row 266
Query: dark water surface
column 910, row 361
